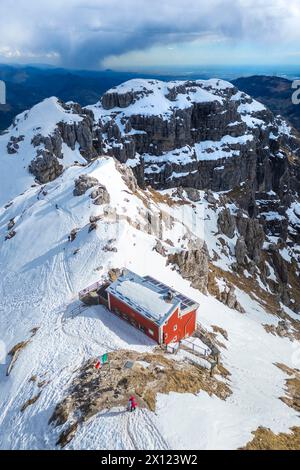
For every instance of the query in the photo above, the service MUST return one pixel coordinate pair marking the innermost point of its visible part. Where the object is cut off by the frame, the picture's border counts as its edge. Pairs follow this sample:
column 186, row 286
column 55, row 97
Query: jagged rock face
column 45, row 167
column 52, row 143
column 209, row 196
column 280, row 265
column 226, row 223
column 193, row 194
column 115, row 100
column 13, row 144
column 77, row 131
column 199, row 134
column 193, row 265
column 83, row 184
column 203, row 134
column 253, row 235
column 81, row 133
column 241, row 252
column 282, row 287
column 128, row 177
column 228, row 297
column 100, row 195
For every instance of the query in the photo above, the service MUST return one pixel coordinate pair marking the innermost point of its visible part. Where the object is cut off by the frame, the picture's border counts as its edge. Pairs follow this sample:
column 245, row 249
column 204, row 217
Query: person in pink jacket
column 132, row 404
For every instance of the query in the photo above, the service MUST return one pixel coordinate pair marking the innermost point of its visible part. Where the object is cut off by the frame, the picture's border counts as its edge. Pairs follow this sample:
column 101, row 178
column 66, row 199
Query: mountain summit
column 193, row 183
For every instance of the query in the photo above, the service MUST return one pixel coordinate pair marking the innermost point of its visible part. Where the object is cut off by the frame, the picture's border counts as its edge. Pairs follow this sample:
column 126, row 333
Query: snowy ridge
column 42, row 119
column 42, row 270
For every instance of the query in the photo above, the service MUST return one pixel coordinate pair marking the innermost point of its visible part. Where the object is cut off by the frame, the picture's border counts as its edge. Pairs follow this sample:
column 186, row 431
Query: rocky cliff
column 200, row 135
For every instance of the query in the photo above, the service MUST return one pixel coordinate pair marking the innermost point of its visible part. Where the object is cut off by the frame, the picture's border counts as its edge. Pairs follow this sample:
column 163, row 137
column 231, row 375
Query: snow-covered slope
column 42, row 119
column 42, row 271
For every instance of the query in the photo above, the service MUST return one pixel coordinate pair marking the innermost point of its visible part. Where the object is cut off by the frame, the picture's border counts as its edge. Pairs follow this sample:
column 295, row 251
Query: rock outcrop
column 193, row 265
column 128, row 177
column 193, row 194
column 13, row 144
column 228, row 297
column 226, row 223
column 83, row 184
column 45, row 167
column 241, row 252
column 253, row 235
column 100, row 195
column 280, row 265
column 81, row 133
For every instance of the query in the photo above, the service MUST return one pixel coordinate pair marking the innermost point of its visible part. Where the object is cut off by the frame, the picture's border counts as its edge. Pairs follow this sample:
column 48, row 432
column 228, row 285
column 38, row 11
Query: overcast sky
column 126, row 33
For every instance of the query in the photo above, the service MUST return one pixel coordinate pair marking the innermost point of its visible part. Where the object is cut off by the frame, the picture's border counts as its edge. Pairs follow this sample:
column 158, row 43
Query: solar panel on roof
column 149, row 278
column 185, row 301
column 181, row 297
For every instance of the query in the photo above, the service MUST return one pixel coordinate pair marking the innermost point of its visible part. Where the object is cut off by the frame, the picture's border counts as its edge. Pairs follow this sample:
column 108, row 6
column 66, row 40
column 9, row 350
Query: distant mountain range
column 28, row 85
column 273, row 92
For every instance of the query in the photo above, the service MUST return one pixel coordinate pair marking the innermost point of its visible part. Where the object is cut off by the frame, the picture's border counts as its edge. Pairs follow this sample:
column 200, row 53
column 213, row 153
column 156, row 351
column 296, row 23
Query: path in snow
column 119, row 429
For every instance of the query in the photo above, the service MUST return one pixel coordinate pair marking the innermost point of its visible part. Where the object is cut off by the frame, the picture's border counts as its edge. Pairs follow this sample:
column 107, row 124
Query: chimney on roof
column 170, row 296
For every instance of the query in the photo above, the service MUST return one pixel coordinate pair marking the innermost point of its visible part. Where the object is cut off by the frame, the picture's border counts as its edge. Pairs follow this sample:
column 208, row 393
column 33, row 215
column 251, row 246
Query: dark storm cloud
column 81, row 33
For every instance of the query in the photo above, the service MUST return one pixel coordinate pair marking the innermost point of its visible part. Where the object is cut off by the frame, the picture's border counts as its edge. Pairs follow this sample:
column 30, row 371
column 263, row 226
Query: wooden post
column 212, row 368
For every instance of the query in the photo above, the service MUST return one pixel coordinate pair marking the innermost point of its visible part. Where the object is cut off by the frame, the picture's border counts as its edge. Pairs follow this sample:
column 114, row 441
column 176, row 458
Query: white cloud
column 84, row 32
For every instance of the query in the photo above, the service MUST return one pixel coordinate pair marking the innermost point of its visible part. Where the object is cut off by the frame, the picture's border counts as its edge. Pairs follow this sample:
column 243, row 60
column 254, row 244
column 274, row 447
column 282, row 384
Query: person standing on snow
column 132, row 404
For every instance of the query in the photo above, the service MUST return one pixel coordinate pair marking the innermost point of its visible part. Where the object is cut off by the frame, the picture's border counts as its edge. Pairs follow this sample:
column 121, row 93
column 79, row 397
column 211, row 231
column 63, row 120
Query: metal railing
column 94, row 287
column 77, row 310
column 196, row 348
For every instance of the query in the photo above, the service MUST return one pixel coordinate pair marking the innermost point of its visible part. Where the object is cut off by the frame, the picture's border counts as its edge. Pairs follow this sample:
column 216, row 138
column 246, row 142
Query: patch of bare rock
column 128, row 372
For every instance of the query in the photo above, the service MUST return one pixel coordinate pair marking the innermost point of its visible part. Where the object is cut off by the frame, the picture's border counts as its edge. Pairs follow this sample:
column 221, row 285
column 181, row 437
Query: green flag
column 104, row 359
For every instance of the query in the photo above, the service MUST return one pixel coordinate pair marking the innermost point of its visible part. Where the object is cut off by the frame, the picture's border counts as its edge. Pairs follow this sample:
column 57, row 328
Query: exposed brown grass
column 292, row 157
column 22, row 345
column 290, row 333
column 265, row 439
column 288, row 370
column 268, row 301
column 223, row 371
column 292, row 398
column 18, row 347
column 30, row 402
column 93, row 391
column 152, row 195
column 67, row 435
column 218, row 329
column 160, row 198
